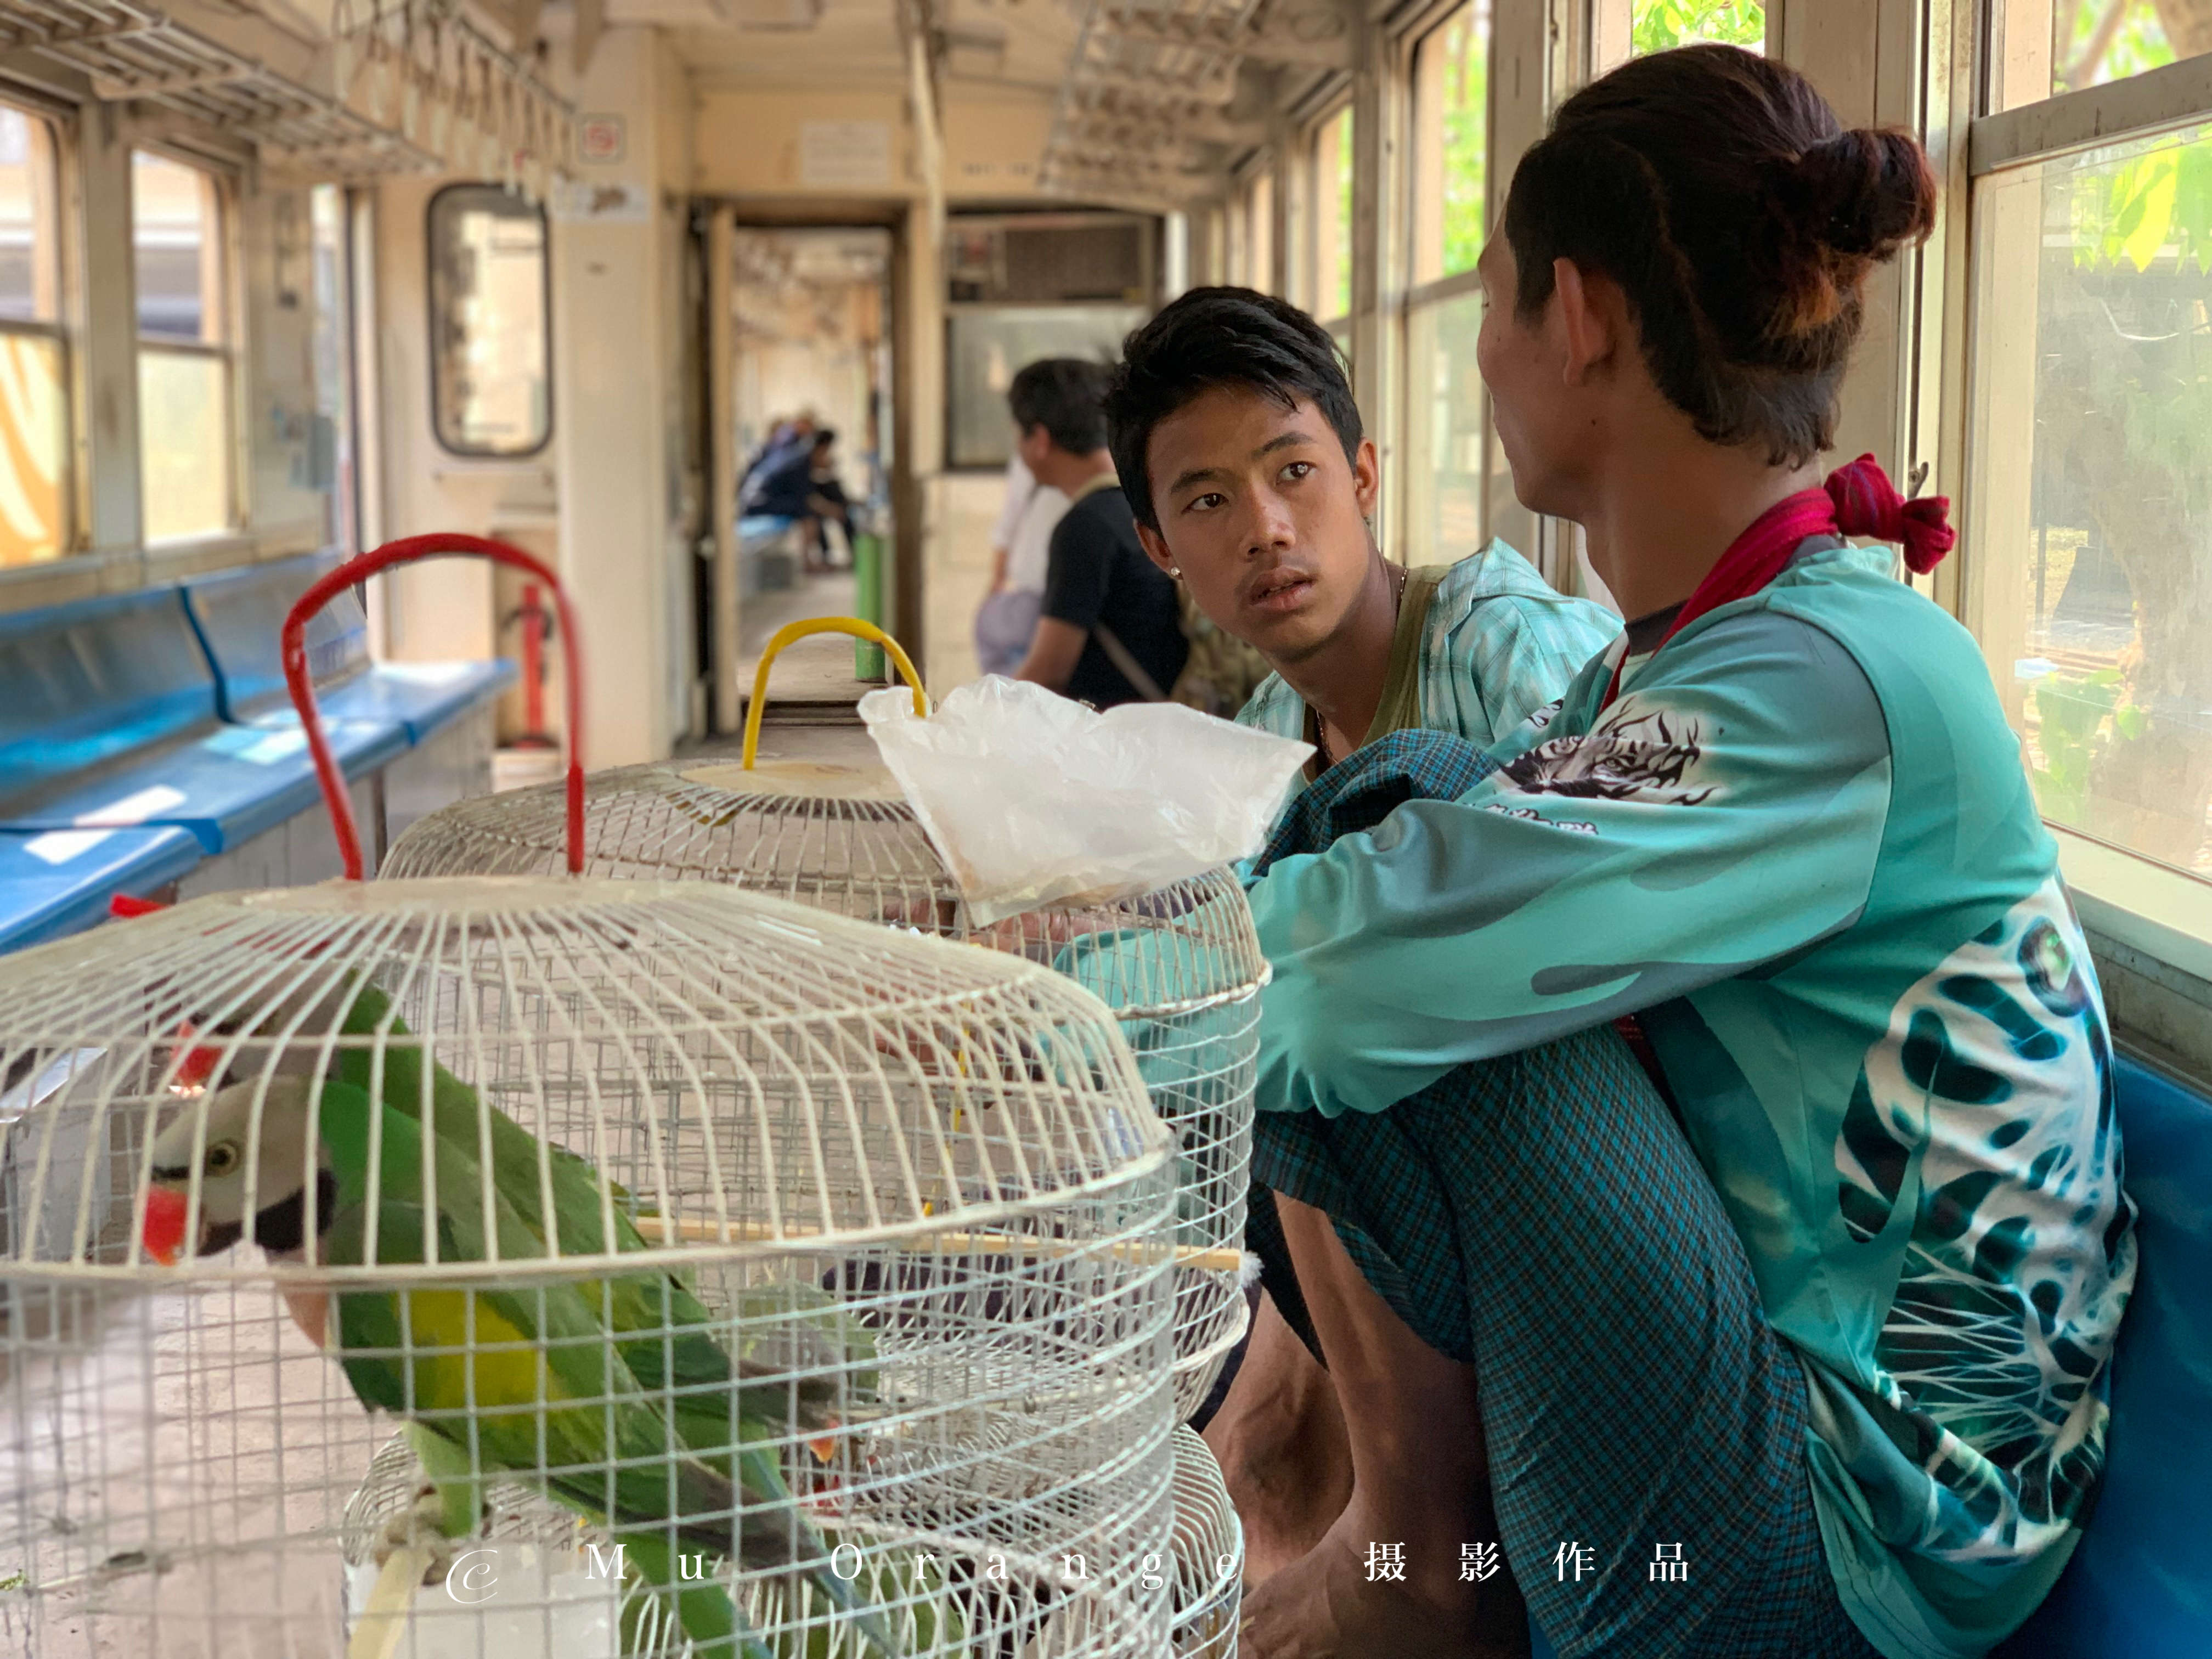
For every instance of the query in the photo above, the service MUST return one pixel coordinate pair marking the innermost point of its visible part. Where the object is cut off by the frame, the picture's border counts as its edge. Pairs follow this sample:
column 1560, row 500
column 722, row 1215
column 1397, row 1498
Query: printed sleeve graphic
column 1993, row 1087
column 1647, row 757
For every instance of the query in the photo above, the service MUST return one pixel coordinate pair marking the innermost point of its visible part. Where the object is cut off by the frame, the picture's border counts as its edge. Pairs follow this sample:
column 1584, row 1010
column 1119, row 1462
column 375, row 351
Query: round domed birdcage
column 742, row 1280
column 1209, row 1555
column 1180, row 966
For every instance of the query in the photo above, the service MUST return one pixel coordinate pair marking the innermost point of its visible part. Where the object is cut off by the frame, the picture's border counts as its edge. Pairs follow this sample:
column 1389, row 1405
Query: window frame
column 63, row 331
column 1320, row 201
column 486, row 457
column 1427, row 25
column 2131, row 898
column 1403, row 310
column 230, row 350
column 1261, row 176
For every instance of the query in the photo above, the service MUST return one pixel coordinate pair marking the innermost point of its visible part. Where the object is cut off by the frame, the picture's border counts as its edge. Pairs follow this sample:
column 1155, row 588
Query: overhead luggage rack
column 134, row 52
column 1144, row 108
column 285, row 93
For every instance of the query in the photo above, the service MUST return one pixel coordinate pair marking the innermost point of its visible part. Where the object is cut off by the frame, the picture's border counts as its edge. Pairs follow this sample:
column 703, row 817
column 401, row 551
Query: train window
column 1328, row 290
column 491, row 347
column 1451, row 142
column 1209, row 255
column 184, row 353
column 986, row 346
column 331, row 462
column 2039, row 48
column 2088, row 570
column 1621, row 29
column 34, row 446
column 1662, row 25
column 1447, row 416
column 1260, row 232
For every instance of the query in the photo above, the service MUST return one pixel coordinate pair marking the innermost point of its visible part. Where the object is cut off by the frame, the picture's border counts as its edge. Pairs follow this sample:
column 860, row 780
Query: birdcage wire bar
column 917, row 1195
column 1180, row 966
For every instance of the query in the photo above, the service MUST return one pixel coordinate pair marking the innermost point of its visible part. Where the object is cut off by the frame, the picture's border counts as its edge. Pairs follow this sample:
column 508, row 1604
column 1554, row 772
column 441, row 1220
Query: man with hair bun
column 1687, row 1132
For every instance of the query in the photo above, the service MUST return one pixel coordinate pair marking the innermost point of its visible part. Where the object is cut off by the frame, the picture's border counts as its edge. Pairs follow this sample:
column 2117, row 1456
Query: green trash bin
column 868, row 603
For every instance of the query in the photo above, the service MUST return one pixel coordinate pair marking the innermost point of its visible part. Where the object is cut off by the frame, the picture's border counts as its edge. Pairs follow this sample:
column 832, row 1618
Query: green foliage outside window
column 2123, row 422
column 2079, row 719
column 1466, row 138
column 1662, row 25
column 2108, row 40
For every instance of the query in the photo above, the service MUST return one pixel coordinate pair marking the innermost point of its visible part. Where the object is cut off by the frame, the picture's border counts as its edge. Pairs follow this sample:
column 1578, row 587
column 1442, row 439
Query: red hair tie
column 1868, row 504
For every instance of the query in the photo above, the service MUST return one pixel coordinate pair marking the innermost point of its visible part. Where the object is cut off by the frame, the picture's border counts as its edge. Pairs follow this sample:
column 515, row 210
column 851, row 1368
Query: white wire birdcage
column 1209, row 1555
column 880, row 1351
column 822, row 1274
column 1180, row 966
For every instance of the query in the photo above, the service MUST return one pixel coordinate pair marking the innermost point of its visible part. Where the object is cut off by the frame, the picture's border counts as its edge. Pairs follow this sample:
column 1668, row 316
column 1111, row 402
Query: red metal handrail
column 406, row 550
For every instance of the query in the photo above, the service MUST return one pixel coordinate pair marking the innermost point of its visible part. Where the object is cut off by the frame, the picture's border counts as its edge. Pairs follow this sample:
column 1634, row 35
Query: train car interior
column 712, row 309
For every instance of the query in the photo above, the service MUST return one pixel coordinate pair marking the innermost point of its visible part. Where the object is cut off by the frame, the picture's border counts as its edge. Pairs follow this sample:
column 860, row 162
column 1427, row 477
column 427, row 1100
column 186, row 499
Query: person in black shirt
column 1111, row 629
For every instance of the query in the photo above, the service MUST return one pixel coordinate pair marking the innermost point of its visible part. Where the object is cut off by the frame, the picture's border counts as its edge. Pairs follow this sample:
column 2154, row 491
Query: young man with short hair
column 1236, row 436
column 1109, row 630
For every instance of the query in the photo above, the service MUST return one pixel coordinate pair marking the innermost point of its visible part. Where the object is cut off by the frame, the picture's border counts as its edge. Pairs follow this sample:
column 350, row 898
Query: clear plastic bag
column 1033, row 800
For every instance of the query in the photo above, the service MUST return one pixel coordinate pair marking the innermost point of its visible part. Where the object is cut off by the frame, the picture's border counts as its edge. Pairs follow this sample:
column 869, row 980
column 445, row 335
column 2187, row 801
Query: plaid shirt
column 1501, row 643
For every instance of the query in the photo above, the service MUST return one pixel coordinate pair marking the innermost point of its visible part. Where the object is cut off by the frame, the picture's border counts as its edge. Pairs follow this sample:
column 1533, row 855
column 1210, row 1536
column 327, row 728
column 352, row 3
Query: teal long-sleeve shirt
column 1800, row 846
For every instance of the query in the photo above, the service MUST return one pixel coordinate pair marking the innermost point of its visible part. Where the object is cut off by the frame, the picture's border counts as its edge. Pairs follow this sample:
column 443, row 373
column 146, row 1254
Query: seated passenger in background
column 1109, row 631
column 1787, row 1338
column 784, row 439
column 801, row 481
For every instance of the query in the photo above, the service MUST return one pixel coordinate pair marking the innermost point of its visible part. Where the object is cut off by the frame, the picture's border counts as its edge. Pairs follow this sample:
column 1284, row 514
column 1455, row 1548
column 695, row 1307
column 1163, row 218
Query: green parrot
column 528, row 1377
column 673, row 1352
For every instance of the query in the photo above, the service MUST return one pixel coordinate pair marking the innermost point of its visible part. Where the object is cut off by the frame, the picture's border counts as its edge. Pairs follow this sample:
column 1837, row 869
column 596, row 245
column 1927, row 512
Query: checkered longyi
column 1542, row 1217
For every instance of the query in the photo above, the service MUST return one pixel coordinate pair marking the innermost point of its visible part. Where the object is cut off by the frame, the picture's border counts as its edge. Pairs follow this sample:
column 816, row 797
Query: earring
column 1176, row 570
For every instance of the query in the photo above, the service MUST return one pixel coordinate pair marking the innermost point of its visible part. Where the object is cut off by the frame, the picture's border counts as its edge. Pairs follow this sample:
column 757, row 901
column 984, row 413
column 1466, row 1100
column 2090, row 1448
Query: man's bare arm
column 1055, row 649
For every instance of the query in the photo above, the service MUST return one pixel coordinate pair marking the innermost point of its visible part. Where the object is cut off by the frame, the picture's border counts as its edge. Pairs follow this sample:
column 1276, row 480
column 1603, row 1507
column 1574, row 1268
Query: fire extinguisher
column 537, row 623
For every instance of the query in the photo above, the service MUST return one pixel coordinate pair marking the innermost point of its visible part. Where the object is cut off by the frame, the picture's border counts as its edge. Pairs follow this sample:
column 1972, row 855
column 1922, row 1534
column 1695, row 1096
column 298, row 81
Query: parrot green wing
column 454, row 1110
column 524, row 1376
column 674, row 1351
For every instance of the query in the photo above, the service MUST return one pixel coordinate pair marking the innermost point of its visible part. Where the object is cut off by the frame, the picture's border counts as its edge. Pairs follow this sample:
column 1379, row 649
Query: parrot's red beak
column 197, row 1064
column 163, row 1229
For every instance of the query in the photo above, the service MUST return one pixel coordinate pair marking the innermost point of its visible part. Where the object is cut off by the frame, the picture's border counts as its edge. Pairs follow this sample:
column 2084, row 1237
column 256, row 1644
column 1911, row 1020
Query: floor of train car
column 203, row 1451
column 815, row 671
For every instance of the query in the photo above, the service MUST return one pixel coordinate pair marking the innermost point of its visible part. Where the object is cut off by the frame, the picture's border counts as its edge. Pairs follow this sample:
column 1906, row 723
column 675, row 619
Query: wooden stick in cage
column 1221, row 1259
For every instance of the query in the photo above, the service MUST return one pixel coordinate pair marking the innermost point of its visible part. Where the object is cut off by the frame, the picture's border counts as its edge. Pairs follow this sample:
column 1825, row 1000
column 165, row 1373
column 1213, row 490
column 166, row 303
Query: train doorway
column 806, row 344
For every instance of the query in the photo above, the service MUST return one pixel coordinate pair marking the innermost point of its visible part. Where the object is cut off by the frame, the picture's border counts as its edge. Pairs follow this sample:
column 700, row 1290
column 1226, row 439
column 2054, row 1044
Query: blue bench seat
column 109, row 718
column 148, row 738
column 2140, row 1583
column 239, row 615
column 58, row 881
column 424, row 698
column 227, row 786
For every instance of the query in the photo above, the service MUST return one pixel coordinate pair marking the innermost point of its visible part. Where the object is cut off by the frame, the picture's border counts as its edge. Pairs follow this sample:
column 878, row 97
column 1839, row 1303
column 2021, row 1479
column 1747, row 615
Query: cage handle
column 790, row 634
column 406, row 550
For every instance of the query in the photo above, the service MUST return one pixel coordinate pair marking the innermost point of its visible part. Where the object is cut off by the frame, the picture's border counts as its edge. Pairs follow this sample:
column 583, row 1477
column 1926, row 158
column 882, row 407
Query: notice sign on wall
column 845, row 155
column 577, row 199
column 601, row 139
